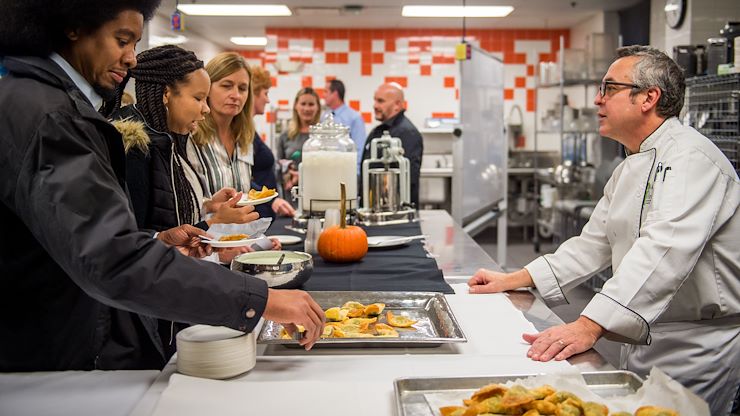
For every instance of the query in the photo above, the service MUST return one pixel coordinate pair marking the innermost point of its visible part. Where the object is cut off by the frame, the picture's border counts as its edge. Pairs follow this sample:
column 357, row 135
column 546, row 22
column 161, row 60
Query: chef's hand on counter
column 283, row 208
column 296, row 307
column 229, row 213
column 488, row 281
column 186, row 238
column 563, row 341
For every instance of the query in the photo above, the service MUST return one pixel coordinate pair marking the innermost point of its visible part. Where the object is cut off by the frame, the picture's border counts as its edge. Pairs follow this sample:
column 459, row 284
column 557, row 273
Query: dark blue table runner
column 396, row 269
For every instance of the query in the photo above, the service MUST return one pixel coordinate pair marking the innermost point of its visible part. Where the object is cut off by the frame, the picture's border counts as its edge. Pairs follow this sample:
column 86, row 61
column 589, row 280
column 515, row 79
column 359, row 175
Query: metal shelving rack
column 712, row 106
column 561, row 130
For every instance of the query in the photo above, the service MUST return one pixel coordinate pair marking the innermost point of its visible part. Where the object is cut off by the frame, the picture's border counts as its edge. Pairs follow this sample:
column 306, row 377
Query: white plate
column 388, row 241
column 231, row 244
column 287, row 240
column 246, row 201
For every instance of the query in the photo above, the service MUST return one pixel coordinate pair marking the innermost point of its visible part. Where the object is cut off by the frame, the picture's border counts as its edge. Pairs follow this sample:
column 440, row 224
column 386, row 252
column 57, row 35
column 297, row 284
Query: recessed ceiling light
column 249, row 40
column 456, row 11
column 235, row 9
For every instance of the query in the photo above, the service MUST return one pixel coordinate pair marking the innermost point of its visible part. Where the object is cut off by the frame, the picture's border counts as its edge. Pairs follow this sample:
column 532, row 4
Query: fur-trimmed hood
column 134, row 134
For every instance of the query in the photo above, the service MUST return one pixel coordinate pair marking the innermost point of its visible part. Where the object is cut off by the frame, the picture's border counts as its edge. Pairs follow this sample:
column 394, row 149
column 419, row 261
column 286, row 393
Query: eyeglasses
column 608, row 87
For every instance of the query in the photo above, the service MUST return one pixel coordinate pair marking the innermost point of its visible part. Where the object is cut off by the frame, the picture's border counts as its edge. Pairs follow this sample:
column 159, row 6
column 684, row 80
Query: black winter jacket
column 73, row 261
column 413, row 147
column 148, row 174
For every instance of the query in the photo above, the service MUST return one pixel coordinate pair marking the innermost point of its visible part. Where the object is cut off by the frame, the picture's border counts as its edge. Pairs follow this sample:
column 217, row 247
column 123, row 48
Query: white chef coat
column 667, row 224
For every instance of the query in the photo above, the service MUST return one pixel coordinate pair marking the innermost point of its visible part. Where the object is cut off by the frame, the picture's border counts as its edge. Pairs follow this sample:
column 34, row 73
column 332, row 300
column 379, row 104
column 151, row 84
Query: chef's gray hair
column 656, row 69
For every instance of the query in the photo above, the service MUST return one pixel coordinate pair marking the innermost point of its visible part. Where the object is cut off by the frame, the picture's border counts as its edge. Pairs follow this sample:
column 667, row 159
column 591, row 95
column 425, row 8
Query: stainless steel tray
column 437, row 324
column 410, row 392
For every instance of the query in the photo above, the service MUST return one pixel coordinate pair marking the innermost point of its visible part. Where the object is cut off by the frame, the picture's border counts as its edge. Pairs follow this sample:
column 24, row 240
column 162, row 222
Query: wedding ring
column 561, row 342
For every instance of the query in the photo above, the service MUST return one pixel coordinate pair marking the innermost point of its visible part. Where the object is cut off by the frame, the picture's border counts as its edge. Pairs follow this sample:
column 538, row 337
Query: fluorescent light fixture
column 235, row 9
column 456, row 11
column 155, row 40
column 249, row 40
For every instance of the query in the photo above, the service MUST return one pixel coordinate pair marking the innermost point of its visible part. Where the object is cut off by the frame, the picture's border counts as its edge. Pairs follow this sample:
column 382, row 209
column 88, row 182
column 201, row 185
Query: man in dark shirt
column 389, row 111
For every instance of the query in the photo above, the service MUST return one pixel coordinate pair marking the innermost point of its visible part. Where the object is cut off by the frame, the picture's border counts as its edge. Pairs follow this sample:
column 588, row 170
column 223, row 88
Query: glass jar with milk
column 329, row 157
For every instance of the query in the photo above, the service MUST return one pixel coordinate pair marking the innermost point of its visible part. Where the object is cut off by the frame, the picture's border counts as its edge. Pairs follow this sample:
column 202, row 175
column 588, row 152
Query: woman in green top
column 306, row 112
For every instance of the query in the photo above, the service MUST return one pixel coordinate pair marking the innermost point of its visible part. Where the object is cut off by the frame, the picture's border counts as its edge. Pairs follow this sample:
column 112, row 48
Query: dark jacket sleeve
column 413, row 148
column 137, row 179
column 69, row 198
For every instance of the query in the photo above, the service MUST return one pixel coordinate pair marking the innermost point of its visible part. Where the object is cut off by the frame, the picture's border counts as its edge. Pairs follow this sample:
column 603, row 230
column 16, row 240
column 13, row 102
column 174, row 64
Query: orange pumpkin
column 342, row 243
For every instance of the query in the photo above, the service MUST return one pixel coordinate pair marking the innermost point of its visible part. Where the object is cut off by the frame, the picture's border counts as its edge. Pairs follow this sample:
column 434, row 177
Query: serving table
column 321, row 381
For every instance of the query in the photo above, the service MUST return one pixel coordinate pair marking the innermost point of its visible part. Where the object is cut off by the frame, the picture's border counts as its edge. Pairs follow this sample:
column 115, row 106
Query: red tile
column 270, row 116
column 443, row 115
column 367, row 117
column 329, row 78
column 378, row 58
column 449, row 82
column 354, row 45
column 390, row 44
column 273, row 81
column 425, row 70
column 520, row 82
column 366, row 70
column 414, row 59
column 282, row 43
column 306, row 81
column 508, row 94
column 318, row 44
column 321, row 92
column 355, row 105
column 457, row 94
column 530, row 70
column 402, row 81
column 530, row 100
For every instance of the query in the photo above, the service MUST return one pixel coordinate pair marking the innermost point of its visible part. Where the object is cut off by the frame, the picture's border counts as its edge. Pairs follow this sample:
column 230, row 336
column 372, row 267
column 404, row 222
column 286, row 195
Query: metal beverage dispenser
column 386, row 184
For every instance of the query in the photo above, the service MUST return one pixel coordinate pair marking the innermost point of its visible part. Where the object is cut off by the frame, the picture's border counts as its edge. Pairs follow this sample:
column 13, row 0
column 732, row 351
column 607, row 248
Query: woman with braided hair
column 171, row 91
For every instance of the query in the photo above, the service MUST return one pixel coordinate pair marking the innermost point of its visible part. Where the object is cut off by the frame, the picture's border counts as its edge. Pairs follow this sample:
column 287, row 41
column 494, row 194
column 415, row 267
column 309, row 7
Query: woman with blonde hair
column 222, row 149
column 306, row 111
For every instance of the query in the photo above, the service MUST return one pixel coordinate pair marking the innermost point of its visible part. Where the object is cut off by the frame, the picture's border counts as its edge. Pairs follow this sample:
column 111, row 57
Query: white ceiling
column 542, row 14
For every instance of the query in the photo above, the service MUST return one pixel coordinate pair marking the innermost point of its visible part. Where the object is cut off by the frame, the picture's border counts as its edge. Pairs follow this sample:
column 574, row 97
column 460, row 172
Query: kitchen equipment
column 436, row 323
column 411, row 401
column 731, row 31
column 685, row 57
column 716, row 54
column 386, row 189
column 295, row 269
column 329, row 157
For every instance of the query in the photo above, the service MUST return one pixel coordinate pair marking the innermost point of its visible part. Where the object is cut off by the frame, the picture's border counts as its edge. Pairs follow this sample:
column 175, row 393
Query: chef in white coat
column 667, row 225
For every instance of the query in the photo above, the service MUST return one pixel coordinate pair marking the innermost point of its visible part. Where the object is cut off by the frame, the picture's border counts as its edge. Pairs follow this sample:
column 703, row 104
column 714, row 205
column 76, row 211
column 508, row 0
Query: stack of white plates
column 215, row 352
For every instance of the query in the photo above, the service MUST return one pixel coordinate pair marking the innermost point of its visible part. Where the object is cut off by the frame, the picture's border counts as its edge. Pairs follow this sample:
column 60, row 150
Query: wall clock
column 675, row 10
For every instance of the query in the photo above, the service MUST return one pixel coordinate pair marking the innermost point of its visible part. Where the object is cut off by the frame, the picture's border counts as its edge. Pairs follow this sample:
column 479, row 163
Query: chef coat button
column 250, row 313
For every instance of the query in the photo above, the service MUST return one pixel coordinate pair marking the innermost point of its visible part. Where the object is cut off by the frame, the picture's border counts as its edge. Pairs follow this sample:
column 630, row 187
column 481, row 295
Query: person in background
column 342, row 114
column 80, row 279
column 668, row 226
column 306, row 112
column 264, row 160
column 389, row 111
column 171, row 91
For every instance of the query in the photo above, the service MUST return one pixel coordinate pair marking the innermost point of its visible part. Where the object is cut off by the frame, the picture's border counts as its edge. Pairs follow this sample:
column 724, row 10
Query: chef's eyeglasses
column 609, row 88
